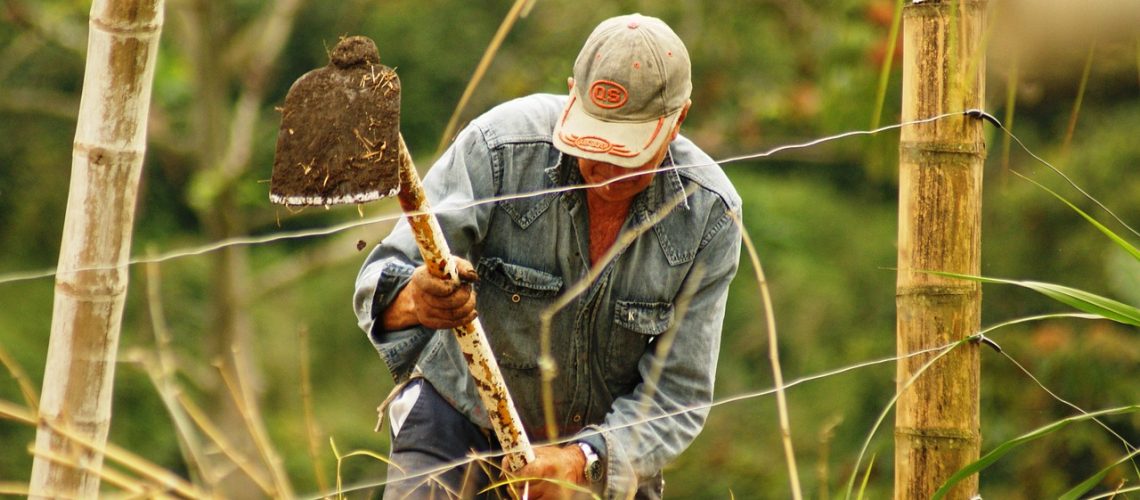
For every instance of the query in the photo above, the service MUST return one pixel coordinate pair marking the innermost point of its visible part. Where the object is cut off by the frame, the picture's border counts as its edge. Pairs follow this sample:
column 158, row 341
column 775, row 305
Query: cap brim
column 625, row 144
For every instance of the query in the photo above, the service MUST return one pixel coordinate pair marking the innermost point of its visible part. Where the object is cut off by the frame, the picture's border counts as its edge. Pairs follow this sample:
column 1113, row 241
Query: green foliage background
column 766, row 73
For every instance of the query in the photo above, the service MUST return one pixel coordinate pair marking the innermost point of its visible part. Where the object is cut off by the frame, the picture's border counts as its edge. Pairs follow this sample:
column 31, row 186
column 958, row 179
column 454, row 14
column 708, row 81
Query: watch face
column 594, row 471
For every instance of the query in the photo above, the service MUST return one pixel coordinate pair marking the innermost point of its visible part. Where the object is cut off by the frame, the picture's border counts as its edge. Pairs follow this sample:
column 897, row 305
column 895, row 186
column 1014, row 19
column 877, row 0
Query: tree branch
column 42, row 102
column 69, row 35
column 277, row 24
column 335, row 251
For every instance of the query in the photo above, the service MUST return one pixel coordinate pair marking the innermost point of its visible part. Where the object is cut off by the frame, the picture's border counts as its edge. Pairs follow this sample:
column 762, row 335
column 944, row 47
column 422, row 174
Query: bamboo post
column 940, row 186
column 91, row 282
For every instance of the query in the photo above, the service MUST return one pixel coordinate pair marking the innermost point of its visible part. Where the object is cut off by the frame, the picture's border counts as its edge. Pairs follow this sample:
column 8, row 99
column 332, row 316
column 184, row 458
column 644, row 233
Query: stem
column 774, row 357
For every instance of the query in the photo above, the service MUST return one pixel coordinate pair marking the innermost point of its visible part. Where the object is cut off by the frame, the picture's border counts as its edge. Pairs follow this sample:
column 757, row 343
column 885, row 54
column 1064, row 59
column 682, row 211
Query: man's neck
column 606, row 220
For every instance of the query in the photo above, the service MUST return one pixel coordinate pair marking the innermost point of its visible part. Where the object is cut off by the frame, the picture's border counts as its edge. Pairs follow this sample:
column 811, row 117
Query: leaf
column 1095, row 479
column 1004, row 448
column 866, row 477
column 1079, row 299
column 1104, row 229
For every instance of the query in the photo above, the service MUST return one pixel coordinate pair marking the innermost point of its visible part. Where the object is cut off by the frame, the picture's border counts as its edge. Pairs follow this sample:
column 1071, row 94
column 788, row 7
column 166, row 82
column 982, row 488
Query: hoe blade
column 339, row 140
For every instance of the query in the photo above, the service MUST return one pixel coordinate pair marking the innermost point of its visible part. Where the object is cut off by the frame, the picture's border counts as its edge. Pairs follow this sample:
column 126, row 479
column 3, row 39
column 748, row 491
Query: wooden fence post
column 940, row 186
column 91, row 279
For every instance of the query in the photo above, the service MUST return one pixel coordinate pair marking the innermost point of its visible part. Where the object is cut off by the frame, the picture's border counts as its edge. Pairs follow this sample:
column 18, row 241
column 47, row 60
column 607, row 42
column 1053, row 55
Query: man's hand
column 559, row 466
column 433, row 302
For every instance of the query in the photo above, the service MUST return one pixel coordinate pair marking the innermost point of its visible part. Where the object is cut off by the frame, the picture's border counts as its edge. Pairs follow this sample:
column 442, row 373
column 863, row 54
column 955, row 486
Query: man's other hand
column 553, row 469
column 434, row 302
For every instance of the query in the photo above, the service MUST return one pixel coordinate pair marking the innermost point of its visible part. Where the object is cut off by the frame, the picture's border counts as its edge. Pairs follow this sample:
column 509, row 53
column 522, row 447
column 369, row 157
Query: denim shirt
column 529, row 250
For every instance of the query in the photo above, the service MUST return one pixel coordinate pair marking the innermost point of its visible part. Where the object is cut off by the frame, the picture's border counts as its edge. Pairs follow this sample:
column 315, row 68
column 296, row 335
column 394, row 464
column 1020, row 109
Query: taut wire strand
column 325, row 231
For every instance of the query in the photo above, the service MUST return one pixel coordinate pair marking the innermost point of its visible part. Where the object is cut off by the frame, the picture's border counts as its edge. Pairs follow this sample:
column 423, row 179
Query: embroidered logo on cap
column 608, row 95
column 595, row 144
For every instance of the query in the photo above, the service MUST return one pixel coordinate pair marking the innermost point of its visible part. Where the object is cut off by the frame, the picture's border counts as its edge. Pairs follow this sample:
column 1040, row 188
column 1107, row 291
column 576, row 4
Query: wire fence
column 207, row 248
column 180, row 253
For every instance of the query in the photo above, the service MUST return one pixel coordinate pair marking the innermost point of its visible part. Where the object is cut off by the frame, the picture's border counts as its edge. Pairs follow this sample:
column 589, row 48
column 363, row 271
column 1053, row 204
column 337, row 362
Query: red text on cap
column 608, row 95
column 593, row 144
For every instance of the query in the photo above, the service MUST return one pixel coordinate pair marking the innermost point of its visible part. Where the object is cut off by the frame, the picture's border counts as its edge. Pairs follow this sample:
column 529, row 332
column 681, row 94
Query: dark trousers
column 433, row 438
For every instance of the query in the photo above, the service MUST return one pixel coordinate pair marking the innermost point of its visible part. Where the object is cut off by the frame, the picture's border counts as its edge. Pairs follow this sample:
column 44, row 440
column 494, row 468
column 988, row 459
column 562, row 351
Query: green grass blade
column 1081, row 89
column 1079, row 299
column 1107, row 232
column 1010, row 107
column 1095, row 479
column 866, row 478
column 890, row 405
column 888, row 64
column 1008, row 446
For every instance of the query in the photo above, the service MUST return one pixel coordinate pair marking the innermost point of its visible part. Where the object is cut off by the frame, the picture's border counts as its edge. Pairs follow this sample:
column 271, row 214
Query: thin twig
column 1081, row 88
column 14, row 488
column 228, row 449
column 162, row 377
column 664, row 343
column 128, row 459
column 517, row 11
column 105, row 474
column 825, row 436
column 546, row 361
column 774, row 357
column 251, row 415
column 27, row 390
column 699, row 407
column 311, row 429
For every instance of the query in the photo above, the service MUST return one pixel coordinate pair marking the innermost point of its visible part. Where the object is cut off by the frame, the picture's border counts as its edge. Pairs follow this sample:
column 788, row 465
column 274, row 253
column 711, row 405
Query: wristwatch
column 593, row 470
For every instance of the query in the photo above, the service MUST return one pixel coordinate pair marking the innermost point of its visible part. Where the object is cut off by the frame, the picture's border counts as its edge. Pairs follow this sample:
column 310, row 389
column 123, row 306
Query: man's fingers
column 447, row 314
column 442, row 304
column 466, row 271
column 431, row 285
column 447, row 317
column 457, row 298
column 443, row 319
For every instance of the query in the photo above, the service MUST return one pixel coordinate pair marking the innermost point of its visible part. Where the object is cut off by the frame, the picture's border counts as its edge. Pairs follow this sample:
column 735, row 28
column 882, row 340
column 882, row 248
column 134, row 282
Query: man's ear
column 681, row 118
column 569, row 83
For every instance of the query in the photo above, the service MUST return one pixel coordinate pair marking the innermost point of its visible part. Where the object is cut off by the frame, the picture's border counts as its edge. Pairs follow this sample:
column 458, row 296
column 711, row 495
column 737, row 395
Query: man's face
column 595, row 172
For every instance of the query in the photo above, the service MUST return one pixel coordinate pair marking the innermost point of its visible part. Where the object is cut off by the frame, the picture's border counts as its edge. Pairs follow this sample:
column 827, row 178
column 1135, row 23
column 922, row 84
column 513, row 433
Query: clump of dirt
column 339, row 137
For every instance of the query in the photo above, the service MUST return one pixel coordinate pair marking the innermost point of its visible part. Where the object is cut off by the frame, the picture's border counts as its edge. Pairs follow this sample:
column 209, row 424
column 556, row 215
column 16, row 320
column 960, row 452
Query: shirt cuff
column 394, row 276
column 593, row 437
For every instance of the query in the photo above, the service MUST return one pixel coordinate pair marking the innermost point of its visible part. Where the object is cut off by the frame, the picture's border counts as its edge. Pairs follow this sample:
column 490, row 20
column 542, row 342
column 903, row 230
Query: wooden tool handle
column 480, row 360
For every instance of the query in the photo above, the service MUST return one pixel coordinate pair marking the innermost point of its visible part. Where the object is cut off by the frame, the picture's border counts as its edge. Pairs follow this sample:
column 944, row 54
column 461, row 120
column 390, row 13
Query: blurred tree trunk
column 91, row 283
column 940, row 187
column 224, row 132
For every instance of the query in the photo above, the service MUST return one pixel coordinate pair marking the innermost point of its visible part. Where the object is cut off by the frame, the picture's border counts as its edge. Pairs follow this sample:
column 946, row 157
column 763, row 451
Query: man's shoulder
column 524, row 119
column 697, row 166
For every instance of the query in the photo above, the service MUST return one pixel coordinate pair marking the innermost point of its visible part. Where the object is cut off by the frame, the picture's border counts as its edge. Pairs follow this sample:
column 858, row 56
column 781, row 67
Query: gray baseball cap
column 631, row 82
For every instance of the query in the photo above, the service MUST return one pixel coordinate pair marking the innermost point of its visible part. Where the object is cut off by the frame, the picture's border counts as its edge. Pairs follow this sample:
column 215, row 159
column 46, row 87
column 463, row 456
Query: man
column 622, row 407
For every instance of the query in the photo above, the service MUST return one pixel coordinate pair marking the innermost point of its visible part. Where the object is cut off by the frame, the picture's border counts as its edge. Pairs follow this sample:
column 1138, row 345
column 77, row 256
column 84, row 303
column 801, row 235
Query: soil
column 339, row 137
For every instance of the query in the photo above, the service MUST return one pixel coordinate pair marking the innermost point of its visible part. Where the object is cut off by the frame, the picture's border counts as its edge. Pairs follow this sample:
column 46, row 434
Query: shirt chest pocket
column 636, row 326
column 511, row 300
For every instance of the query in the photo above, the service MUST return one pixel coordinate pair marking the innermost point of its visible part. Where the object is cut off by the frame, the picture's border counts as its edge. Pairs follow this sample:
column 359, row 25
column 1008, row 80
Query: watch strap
column 593, row 469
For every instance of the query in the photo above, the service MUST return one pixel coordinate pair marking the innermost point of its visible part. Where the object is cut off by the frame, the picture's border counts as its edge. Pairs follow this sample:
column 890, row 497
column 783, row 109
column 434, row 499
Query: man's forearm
column 400, row 314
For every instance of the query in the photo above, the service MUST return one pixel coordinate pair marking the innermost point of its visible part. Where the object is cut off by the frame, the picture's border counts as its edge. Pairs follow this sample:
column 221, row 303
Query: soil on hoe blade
column 339, row 137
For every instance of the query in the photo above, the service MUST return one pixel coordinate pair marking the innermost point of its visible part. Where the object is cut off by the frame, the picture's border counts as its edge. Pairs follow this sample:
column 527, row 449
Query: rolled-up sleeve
column 454, row 186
